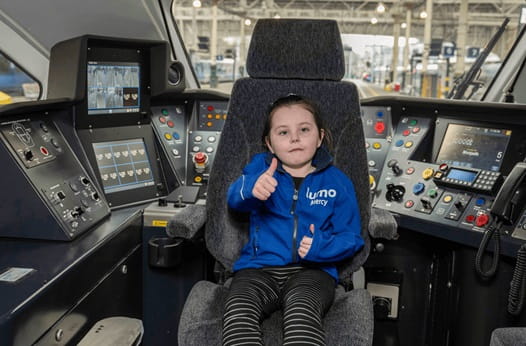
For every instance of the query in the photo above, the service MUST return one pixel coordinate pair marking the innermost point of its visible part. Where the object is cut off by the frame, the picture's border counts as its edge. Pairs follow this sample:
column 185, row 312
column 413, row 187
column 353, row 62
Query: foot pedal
column 114, row 331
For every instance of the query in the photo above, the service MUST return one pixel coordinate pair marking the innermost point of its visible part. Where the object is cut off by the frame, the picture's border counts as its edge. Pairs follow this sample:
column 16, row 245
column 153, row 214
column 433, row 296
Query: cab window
column 15, row 84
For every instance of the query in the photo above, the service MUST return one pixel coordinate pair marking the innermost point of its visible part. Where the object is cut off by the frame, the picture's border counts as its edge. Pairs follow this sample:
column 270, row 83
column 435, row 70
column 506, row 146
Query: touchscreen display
column 474, row 147
column 113, row 87
column 123, row 165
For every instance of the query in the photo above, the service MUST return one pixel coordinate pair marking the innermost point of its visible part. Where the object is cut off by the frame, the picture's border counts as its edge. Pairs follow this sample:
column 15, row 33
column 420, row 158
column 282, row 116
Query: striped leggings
column 303, row 294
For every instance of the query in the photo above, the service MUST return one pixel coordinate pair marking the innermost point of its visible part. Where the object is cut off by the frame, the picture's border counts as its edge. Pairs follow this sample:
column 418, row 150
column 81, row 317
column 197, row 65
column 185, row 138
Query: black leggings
column 304, row 294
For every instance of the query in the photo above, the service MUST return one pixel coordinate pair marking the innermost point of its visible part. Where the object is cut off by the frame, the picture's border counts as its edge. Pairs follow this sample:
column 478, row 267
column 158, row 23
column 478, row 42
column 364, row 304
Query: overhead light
column 248, row 22
column 403, row 25
column 196, row 3
column 380, row 8
column 423, row 15
column 374, row 20
column 277, row 16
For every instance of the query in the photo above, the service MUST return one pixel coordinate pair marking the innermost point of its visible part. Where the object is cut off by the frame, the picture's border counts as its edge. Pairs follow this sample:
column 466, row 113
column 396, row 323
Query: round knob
column 382, row 307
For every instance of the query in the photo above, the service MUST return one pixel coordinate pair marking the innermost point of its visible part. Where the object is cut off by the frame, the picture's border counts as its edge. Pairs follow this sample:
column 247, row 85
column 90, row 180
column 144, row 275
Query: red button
column 481, row 220
column 44, row 151
column 470, row 218
column 379, row 127
column 200, row 157
column 170, row 123
column 409, row 204
column 416, row 129
column 210, row 108
column 443, row 167
column 406, row 132
column 162, row 119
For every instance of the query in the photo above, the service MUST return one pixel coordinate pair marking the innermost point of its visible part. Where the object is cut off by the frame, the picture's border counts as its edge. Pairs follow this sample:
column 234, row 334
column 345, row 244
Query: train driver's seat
column 303, row 57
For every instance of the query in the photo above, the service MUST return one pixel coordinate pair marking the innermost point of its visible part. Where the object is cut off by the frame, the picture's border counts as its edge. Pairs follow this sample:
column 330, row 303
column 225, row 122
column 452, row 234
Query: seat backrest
column 304, row 57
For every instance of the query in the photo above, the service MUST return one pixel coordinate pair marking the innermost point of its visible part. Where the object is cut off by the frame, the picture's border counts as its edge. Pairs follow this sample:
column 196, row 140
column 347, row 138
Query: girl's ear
column 267, row 142
column 322, row 135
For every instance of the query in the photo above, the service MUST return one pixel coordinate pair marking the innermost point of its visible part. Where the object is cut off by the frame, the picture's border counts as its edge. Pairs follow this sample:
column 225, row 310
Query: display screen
column 462, row 175
column 474, row 147
column 113, row 87
column 123, row 165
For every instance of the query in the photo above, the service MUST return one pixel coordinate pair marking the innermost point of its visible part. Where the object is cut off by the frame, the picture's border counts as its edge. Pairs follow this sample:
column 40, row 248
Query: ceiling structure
column 354, row 17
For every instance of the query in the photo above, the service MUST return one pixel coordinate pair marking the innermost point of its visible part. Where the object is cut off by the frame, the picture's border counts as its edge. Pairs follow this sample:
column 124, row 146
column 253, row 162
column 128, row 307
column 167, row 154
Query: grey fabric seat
column 303, row 57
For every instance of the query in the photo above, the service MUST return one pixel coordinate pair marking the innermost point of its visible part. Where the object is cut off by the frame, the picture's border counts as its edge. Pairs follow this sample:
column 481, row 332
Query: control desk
column 441, row 167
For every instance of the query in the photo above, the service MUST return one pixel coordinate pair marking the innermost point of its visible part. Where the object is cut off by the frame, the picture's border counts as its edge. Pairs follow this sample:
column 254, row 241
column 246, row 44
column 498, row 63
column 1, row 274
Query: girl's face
column 294, row 138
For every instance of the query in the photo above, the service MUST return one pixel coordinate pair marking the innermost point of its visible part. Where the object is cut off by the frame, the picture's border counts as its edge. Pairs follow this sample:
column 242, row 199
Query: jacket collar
column 321, row 159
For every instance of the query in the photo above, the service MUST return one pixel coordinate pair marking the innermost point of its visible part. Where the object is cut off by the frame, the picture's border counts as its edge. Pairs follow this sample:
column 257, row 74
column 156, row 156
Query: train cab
column 124, row 128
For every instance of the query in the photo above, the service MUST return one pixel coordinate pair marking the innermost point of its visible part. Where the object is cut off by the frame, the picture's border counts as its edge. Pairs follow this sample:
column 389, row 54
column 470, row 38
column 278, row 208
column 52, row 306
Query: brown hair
column 311, row 107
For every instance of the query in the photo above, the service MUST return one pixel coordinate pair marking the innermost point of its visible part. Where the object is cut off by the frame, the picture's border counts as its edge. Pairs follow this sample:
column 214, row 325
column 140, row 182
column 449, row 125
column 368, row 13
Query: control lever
column 426, row 203
column 394, row 192
column 393, row 164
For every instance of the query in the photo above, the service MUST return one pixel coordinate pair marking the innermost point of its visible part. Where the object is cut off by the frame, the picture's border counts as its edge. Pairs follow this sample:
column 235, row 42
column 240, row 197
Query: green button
column 412, row 122
column 164, row 111
column 432, row 193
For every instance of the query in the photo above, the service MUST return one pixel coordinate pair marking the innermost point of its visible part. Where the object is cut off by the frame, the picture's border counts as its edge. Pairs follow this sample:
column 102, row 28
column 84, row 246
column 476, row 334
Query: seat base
column 201, row 321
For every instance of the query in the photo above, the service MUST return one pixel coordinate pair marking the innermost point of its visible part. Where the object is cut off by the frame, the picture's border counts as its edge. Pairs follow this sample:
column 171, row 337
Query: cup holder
column 164, row 252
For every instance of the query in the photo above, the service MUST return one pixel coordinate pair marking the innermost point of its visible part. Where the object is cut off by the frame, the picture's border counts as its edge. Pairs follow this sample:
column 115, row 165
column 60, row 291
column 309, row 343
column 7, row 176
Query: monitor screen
column 474, row 147
column 123, row 165
column 113, row 87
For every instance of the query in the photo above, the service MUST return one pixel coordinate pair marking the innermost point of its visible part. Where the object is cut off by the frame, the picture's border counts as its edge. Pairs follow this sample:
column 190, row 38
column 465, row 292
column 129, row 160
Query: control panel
column 170, row 125
column 189, row 135
column 51, row 171
column 378, row 131
column 446, row 171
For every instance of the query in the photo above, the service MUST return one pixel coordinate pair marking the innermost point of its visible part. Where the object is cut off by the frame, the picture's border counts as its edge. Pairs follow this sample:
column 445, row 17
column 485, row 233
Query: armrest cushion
column 382, row 224
column 187, row 223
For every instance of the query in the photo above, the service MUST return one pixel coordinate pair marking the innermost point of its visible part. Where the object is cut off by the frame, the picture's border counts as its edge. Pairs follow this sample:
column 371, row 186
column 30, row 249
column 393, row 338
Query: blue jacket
column 326, row 198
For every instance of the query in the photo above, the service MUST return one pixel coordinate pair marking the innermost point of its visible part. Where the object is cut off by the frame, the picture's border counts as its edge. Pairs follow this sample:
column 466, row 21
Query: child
column 304, row 218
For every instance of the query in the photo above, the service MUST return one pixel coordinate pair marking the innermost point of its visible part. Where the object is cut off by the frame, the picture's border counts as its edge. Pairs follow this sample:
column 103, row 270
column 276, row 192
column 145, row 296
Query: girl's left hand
column 306, row 243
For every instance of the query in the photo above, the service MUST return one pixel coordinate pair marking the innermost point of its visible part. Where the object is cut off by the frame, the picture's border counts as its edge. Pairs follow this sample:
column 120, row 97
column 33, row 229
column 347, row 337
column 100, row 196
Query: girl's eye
column 282, row 133
column 305, row 129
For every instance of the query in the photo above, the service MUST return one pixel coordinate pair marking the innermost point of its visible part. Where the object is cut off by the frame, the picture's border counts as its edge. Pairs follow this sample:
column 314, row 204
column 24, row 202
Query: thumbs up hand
column 306, row 243
column 266, row 183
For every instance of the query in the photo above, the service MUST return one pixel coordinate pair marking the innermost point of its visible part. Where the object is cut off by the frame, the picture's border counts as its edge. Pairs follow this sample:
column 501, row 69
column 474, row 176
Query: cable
column 517, row 284
column 492, row 231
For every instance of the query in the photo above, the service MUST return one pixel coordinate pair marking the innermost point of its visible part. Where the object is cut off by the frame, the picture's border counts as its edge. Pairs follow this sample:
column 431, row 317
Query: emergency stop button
column 379, row 127
column 481, row 220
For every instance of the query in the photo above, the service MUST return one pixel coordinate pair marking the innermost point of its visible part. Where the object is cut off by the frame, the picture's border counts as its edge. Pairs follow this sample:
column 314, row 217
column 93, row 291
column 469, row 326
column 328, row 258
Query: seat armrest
column 188, row 222
column 382, row 224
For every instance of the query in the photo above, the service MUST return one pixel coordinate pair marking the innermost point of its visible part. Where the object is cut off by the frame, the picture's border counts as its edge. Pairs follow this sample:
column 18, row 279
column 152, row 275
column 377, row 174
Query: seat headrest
column 296, row 49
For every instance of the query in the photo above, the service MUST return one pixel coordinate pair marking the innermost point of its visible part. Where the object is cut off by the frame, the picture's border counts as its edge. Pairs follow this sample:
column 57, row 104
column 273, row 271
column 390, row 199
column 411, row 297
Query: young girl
column 304, row 218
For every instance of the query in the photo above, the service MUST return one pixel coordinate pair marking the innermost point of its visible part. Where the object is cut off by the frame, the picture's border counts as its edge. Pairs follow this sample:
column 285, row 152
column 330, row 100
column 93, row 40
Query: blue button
column 399, row 142
column 176, row 136
column 480, row 201
column 418, row 188
column 379, row 114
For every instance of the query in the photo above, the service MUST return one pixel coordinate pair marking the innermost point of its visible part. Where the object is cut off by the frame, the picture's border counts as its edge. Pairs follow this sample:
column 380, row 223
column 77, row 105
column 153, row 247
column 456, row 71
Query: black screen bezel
column 518, row 136
column 102, row 54
column 133, row 196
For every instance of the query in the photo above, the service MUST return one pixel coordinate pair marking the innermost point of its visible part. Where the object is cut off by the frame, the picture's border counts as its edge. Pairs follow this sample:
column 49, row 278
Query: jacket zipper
column 295, row 229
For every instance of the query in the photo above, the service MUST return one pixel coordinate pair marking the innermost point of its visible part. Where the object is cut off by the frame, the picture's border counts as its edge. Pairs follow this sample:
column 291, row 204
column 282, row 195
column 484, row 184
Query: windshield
column 420, row 64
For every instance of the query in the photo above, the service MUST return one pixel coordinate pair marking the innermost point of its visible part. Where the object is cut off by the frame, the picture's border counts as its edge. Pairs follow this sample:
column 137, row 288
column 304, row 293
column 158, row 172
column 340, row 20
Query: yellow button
column 428, row 173
column 218, row 116
column 377, row 145
column 224, row 116
column 408, row 144
column 198, row 178
column 209, row 124
column 167, row 136
column 209, row 116
column 372, row 182
column 447, row 198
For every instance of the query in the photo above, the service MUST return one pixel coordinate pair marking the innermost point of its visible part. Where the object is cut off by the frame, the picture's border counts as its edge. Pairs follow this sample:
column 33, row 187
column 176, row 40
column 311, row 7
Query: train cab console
column 439, row 167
